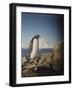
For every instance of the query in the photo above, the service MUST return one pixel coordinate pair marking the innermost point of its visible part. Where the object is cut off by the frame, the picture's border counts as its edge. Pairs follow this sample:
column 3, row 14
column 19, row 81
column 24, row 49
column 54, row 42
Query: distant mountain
column 43, row 50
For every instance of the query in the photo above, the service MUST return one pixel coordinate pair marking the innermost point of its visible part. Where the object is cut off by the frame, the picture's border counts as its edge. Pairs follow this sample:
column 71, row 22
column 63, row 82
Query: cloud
column 43, row 43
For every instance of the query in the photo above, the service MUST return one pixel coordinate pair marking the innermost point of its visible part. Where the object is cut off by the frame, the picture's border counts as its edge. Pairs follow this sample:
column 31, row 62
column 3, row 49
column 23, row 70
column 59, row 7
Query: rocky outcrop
column 53, row 61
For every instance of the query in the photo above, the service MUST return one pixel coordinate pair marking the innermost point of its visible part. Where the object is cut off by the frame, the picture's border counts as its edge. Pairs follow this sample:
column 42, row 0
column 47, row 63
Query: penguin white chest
column 35, row 48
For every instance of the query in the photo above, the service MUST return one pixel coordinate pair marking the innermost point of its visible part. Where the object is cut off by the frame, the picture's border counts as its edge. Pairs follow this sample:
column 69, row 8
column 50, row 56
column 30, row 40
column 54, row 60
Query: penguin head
column 38, row 36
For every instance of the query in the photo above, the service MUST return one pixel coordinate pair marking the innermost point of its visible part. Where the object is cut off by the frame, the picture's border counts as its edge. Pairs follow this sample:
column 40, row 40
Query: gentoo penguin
column 33, row 46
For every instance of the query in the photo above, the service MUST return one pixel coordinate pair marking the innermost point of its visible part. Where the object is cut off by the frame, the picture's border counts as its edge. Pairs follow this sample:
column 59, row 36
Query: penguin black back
column 31, row 43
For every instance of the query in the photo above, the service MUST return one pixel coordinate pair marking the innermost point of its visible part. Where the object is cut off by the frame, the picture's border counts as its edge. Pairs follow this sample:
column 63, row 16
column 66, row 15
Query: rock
column 53, row 61
column 24, row 60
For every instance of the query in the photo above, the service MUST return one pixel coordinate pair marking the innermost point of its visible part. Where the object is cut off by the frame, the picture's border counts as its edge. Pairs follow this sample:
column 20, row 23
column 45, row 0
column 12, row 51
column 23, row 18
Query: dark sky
column 48, row 26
